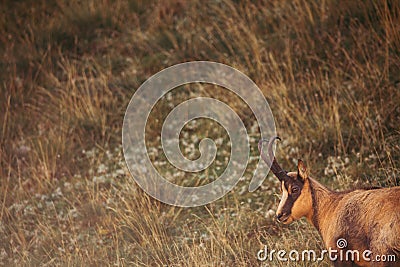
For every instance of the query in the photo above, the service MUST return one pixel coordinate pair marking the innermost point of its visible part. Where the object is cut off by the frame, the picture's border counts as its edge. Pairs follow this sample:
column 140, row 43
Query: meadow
column 329, row 70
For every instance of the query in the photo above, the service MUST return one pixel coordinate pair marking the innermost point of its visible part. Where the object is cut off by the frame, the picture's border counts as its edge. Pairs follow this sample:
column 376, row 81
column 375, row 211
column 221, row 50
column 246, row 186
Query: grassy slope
column 330, row 72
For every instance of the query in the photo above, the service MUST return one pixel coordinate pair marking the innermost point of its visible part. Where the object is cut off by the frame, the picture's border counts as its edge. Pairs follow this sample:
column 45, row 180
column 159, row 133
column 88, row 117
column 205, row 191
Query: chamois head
column 296, row 200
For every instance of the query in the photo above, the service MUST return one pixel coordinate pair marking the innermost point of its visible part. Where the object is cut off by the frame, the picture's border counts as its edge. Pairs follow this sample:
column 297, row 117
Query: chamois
column 368, row 219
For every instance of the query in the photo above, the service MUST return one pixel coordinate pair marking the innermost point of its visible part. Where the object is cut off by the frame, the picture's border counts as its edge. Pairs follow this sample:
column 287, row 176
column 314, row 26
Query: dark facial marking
column 293, row 187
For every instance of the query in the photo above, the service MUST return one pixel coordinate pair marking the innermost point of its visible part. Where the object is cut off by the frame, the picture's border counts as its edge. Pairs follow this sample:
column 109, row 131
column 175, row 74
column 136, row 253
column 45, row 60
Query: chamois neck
column 322, row 202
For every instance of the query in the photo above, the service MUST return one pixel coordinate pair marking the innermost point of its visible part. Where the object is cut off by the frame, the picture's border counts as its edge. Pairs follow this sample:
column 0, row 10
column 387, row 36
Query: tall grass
column 329, row 69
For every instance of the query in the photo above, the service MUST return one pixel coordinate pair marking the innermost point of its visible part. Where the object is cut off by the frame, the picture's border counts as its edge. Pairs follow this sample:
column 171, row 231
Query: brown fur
column 367, row 219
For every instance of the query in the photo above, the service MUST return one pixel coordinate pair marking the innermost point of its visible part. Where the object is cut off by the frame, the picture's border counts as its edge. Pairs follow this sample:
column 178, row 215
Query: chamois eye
column 295, row 190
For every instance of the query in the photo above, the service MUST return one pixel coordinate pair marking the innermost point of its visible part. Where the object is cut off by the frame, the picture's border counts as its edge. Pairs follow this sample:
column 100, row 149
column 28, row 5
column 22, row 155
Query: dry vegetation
column 329, row 69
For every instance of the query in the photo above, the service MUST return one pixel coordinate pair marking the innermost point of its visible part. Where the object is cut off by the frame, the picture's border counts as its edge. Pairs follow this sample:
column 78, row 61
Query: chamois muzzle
column 271, row 160
column 282, row 217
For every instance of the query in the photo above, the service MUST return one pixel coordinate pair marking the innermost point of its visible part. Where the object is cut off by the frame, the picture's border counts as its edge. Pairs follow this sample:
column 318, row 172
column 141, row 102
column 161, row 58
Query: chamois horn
column 275, row 168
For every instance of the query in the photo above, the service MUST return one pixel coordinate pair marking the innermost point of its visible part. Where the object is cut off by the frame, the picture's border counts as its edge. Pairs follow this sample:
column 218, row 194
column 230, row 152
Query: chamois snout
column 282, row 217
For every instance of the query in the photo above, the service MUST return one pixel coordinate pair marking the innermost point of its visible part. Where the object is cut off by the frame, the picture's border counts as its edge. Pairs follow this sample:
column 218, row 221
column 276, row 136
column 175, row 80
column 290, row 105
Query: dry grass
column 330, row 71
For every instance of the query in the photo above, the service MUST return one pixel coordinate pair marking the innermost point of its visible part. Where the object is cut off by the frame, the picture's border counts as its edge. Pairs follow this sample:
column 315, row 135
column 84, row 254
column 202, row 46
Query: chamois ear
column 302, row 171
